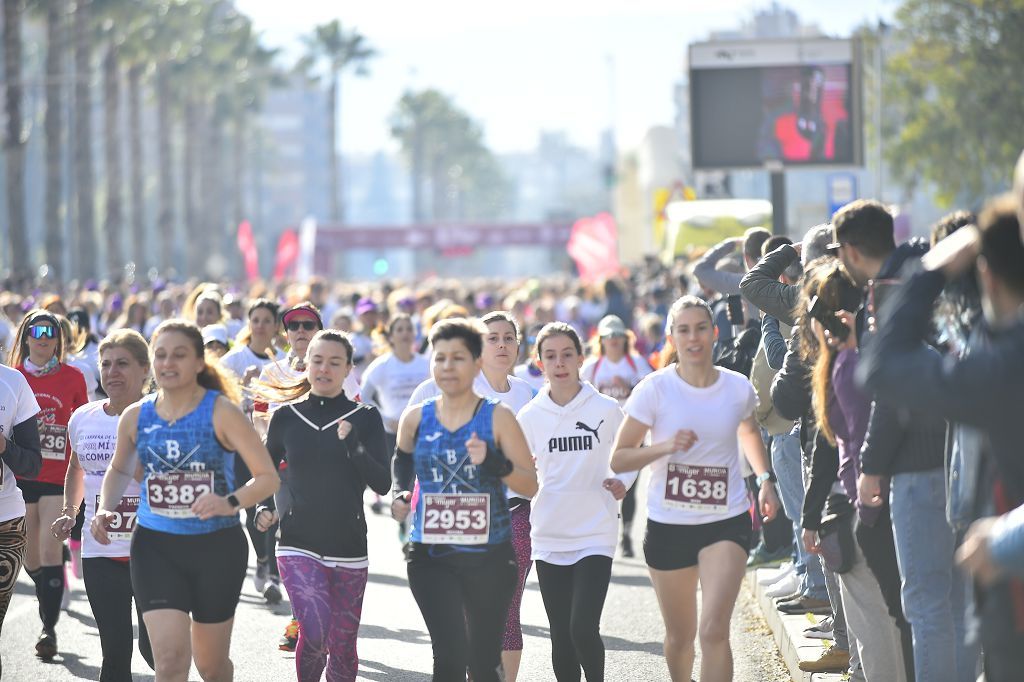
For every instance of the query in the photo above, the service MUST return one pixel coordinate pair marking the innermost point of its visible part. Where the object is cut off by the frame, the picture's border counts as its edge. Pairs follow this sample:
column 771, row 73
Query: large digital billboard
column 759, row 103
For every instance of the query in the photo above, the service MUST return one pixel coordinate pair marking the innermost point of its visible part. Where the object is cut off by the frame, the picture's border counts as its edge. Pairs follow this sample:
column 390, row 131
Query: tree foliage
column 449, row 159
column 957, row 85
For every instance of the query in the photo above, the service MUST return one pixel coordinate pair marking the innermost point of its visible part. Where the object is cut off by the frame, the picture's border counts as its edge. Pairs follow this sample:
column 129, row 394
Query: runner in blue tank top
column 188, row 552
column 464, row 450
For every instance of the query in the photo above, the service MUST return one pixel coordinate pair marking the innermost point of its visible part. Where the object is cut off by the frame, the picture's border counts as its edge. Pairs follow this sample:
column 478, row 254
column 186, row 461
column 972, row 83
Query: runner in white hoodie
column 570, row 427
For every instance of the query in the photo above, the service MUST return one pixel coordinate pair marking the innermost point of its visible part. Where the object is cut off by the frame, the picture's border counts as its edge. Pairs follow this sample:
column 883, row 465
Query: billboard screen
column 756, row 103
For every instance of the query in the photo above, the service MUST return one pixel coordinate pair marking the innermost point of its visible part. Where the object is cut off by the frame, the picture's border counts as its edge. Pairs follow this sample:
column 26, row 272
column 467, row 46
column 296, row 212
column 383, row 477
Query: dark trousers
column 464, row 598
column 879, row 548
column 574, row 599
column 108, row 583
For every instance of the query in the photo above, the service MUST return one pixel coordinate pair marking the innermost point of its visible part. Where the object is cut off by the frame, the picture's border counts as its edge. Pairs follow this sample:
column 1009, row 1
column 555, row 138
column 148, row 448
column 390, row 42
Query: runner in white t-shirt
column 614, row 369
column 698, row 526
column 92, row 431
column 390, row 380
column 19, row 454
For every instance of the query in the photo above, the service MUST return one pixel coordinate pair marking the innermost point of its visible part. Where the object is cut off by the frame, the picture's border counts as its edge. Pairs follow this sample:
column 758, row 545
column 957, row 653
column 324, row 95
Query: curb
column 788, row 633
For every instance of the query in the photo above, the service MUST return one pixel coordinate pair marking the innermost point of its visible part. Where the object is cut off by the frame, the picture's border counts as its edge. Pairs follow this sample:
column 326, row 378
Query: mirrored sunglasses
column 42, row 331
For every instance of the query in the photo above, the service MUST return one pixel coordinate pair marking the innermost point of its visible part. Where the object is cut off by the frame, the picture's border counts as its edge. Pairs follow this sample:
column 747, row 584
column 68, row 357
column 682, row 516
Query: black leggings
column 464, row 598
column 629, row 509
column 108, row 583
column 264, row 543
column 574, row 599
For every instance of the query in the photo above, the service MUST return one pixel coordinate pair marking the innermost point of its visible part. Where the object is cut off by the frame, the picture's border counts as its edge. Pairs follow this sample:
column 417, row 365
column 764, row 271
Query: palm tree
column 14, row 141
column 53, row 133
column 85, row 247
column 337, row 49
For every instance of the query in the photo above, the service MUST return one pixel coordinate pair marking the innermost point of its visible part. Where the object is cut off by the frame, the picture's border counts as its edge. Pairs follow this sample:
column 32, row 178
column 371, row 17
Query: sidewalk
column 788, row 633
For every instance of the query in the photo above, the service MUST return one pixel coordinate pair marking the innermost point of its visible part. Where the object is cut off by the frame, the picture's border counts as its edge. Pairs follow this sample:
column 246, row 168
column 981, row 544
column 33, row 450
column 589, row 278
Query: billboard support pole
column 778, row 184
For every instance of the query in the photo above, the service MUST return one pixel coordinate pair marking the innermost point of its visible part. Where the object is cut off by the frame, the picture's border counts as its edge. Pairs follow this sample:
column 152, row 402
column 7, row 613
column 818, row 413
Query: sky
column 532, row 66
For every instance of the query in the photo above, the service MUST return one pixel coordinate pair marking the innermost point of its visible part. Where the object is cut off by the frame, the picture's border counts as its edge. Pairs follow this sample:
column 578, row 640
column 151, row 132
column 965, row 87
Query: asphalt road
column 393, row 642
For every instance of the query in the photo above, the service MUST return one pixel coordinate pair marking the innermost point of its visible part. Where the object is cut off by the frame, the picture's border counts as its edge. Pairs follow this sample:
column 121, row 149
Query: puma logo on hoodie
column 580, row 426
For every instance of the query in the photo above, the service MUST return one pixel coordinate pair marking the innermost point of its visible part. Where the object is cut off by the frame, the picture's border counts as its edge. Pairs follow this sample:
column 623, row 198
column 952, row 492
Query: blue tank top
column 443, row 466
column 177, row 462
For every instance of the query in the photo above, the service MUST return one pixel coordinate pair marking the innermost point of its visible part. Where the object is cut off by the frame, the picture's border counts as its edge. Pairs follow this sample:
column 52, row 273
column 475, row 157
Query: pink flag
column 287, row 254
column 593, row 244
column 247, row 245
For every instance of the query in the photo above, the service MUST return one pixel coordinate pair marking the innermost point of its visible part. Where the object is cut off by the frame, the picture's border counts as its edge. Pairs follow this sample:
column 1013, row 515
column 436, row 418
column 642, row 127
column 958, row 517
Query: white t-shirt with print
column 515, row 398
column 93, row 435
column 388, row 383
column 667, row 404
column 17, row 404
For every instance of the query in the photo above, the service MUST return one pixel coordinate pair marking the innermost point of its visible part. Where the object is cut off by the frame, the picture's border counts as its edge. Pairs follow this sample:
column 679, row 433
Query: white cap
column 215, row 332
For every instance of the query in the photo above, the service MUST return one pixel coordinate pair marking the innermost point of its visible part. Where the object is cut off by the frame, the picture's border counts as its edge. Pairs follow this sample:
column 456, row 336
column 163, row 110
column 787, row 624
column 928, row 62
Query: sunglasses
column 296, row 325
column 42, row 331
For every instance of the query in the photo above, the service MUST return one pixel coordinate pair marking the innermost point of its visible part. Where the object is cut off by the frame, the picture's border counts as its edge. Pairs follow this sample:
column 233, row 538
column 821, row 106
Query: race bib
column 122, row 523
column 172, row 493
column 695, row 487
column 53, row 441
column 456, row 519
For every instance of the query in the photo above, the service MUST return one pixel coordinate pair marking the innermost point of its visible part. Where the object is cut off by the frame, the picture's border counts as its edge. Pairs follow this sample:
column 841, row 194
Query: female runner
column 575, row 522
column 462, row 568
column 60, row 389
column 698, row 527
column 614, row 369
column 124, row 373
column 188, row 552
column 335, row 448
column 495, row 380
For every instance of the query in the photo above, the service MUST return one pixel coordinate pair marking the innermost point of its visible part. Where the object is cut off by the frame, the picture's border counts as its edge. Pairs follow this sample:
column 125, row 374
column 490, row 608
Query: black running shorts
column 669, row 546
column 198, row 574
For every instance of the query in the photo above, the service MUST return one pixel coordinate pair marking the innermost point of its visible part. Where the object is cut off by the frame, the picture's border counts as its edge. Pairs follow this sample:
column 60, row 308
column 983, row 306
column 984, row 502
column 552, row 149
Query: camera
column 817, row 309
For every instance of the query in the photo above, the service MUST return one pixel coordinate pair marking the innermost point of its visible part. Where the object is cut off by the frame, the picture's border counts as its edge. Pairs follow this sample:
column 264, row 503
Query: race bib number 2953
column 456, row 519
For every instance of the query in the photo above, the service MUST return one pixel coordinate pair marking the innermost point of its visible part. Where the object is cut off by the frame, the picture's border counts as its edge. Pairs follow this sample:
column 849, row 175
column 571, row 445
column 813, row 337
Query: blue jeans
column 933, row 597
column 787, row 463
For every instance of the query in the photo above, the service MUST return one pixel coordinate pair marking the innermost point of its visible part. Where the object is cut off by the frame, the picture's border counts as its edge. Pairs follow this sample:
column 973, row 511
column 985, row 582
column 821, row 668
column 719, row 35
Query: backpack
column 738, row 353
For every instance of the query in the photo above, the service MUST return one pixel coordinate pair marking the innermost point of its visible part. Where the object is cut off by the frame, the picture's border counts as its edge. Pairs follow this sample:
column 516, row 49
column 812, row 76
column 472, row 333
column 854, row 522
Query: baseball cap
column 365, row 305
column 302, row 310
column 215, row 332
column 611, row 325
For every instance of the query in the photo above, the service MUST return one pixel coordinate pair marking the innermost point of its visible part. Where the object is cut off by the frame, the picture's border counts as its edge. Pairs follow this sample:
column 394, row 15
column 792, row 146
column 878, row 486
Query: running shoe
column 823, row 630
column 259, row 578
column 273, row 593
column 46, row 645
column 291, row 636
column 627, row 546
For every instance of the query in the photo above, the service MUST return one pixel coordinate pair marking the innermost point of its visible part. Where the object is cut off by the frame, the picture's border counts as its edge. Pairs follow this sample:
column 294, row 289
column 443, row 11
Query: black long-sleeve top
column 22, row 455
column 327, row 476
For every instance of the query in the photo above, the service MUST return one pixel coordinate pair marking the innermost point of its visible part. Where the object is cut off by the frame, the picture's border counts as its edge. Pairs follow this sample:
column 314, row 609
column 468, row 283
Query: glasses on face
column 296, row 325
column 42, row 331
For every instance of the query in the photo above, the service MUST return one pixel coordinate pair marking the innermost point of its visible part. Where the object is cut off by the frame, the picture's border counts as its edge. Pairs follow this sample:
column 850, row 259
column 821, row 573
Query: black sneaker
column 627, row 546
column 273, row 593
column 46, row 645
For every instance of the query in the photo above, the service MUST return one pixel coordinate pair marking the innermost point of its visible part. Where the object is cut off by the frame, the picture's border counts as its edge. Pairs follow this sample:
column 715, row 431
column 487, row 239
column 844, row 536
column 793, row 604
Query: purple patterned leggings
column 328, row 603
column 513, row 640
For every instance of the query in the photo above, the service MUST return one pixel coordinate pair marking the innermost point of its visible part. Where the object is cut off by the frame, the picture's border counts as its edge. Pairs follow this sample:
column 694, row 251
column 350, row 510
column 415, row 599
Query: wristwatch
column 766, row 476
column 235, row 504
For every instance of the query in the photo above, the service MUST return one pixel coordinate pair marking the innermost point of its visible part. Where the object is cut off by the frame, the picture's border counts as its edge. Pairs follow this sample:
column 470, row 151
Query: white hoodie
column 572, row 515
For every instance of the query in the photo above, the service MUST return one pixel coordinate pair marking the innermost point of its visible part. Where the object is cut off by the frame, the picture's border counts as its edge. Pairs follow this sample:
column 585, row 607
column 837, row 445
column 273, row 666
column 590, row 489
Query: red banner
column 247, row 245
column 594, row 246
column 287, row 254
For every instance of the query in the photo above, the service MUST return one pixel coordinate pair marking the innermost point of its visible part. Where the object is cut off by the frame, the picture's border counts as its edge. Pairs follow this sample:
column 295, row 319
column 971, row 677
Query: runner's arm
column 403, row 472
column 124, row 462
column 372, row 459
column 509, row 438
column 627, row 455
column 74, row 484
column 21, row 451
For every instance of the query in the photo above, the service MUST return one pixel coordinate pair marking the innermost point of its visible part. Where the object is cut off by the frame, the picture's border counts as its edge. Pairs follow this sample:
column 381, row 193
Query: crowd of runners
column 842, row 401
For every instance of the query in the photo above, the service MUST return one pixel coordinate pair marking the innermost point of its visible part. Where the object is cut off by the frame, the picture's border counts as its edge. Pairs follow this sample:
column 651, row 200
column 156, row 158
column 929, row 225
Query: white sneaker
column 773, row 575
column 787, row 585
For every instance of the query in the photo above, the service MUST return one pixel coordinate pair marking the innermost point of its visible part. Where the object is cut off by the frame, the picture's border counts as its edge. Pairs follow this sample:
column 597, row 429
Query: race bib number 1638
column 695, row 487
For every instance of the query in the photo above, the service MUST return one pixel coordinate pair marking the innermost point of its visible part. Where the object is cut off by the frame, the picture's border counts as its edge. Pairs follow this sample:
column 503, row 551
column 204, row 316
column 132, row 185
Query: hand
column 869, row 490
column 61, row 528
column 400, row 507
column 253, row 372
column 265, row 518
column 768, row 501
column 956, row 253
column 683, row 441
column 477, row 449
column 99, row 524
column 974, row 554
column 798, row 247
column 812, row 545
column 616, row 487
column 211, row 504
column 344, row 428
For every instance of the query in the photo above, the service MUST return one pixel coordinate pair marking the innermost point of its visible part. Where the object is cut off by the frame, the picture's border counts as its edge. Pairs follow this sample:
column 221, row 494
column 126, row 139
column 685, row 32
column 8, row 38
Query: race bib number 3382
column 695, row 487
column 171, row 494
column 456, row 519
